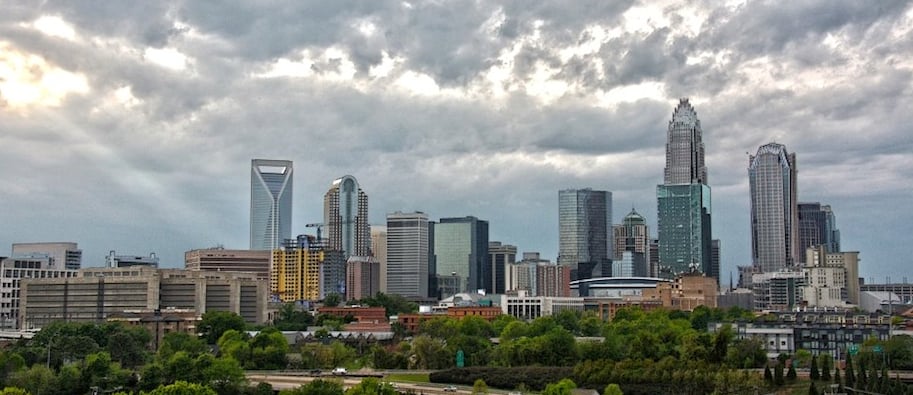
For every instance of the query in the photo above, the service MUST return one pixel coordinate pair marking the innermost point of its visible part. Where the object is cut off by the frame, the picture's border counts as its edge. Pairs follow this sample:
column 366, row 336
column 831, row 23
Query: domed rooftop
column 634, row 218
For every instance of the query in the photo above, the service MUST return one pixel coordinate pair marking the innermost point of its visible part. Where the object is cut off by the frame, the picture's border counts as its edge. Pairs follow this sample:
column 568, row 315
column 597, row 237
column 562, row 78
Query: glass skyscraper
column 817, row 226
column 683, row 200
column 270, row 203
column 461, row 253
column 774, row 209
column 345, row 215
column 584, row 226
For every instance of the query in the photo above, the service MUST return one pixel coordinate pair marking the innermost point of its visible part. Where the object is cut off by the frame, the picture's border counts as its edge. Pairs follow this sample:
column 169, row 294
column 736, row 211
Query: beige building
column 685, row 293
column 831, row 279
column 221, row 260
column 362, row 277
column 379, row 249
column 95, row 294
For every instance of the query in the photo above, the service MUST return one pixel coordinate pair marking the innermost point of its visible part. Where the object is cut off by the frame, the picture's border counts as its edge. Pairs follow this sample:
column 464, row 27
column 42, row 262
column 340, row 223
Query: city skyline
column 135, row 136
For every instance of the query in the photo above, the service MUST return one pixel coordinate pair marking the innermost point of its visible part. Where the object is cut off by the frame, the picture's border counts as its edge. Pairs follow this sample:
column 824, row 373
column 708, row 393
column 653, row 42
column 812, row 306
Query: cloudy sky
column 131, row 125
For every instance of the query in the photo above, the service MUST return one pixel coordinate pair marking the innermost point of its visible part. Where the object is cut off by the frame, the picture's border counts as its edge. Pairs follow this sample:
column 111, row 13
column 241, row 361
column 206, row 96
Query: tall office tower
column 362, row 277
column 63, row 255
column 715, row 259
column 345, row 216
column 270, row 203
column 500, row 256
column 683, row 200
column 461, row 254
column 653, row 259
column 553, row 280
column 817, row 226
column 684, row 148
column 584, row 223
column 774, row 209
column 407, row 254
column 379, row 251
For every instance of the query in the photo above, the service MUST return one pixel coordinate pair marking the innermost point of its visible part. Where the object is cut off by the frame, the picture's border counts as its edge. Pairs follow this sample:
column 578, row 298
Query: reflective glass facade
column 774, row 209
column 461, row 250
column 584, row 226
column 684, row 228
column 817, row 226
column 345, row 210
column 270, row 203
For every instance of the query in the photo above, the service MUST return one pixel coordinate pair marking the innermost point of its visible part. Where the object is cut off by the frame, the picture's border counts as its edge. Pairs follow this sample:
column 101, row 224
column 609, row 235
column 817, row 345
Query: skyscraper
column 270, row 203
column 584, row 223
column 683, row 200
column 461, row 252
column 407, row 254
column 501, row 255
column 631, row 235
column 774, row 209
column 817, row 226
column 345, row 215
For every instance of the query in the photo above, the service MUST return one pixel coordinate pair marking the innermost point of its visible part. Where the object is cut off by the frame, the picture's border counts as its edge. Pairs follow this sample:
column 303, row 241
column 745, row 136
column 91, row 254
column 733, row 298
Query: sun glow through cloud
column 27, row 79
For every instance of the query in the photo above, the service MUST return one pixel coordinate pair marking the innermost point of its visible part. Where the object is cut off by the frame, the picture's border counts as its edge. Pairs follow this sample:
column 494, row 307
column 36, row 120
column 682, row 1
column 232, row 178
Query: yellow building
column 303, row 269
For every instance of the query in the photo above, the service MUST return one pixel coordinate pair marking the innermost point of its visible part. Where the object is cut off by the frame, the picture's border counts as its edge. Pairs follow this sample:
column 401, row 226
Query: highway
column 291, row 380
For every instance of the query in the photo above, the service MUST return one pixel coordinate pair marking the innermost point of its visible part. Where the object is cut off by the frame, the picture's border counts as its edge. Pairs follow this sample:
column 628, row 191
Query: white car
column 340, row 371
column 450, row 388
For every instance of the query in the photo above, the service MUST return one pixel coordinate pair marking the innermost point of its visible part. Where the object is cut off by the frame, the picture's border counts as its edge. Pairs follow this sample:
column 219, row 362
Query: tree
column 813, row 372
column 825, row 362
column 180, row 341
column 563, row 387
column 612, row 389
column 791, row 373
column 224, row 375
column 850, row 374
column 479, row 387
column 37, row 379
column 370, row 386
column 768, row 376
column 778, row 374
column 317, row 387
column 214, row 323
column 332, row 300
column 292, row 318
column 812, row 390
column 14, row 391
column 183, row 388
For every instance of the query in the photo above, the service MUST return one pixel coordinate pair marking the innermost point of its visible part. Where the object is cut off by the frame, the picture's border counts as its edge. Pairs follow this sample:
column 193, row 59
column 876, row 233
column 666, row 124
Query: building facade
column 95, row 294
column 817, row 226
column 774, row 212
column 362, row 277
column 304, row 270
column 345, row 217
column 270, row 203
column 683, row 199
column 13, row 271
column 584, row 232
column 114, row 260
column 553, row 280
column 64, row 255
column 408, row 253
column 379, row 252
column 461, row 252
column 501, row 257
column 221, row 260
column 631, row 235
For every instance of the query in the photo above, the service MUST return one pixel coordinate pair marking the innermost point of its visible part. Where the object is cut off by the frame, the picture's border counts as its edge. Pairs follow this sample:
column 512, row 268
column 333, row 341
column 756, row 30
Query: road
column 281, row 381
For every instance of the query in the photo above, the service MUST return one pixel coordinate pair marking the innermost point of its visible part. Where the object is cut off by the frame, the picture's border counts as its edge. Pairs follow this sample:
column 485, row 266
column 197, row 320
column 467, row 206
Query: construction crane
column 319, row 226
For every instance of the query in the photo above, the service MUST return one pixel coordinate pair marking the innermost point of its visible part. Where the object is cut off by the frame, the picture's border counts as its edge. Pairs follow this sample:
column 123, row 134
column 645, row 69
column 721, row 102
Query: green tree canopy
column 182, row 388
column 214, row 323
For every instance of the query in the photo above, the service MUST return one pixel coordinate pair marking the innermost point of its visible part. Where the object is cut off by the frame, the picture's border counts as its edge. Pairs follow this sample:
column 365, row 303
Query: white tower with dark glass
column 774, row 209
column 345, row 215
column 270, row 203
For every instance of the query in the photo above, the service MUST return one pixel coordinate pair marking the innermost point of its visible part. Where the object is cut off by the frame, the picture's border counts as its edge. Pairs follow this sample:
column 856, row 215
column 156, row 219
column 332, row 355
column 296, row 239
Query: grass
column 409, row 377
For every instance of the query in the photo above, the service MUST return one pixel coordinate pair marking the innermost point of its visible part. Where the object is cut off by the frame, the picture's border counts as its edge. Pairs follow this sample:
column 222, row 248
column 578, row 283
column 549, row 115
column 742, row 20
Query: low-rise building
column 219, row 259
column 96, row 293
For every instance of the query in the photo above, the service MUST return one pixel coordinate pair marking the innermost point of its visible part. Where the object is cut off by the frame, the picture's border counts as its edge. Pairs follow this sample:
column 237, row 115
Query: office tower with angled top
column 683, row 200
column 774, row 209
column 270, row 203
column 345, row 218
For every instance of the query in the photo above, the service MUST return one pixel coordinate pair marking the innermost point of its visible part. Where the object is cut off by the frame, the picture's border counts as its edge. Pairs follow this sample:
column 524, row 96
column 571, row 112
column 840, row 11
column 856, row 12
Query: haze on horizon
column 131, row 127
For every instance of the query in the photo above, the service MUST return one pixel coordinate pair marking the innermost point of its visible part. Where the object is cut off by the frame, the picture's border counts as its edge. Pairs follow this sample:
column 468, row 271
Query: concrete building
column 379, row 251
column 683, row 199
column 777, row 290
column 270, row 203
column 585, row 232
column 64, row 255
column 97, row 293
column 114, row 260
column 408, row 254
column 772, row 176
column 501, row 257
column 345, row 216
column 832, row 279
column 526, row 307
column 221, row 260
column 461, row 252
column 522, row 275
column 13, row 271
column 553, row 280
column 362, row 277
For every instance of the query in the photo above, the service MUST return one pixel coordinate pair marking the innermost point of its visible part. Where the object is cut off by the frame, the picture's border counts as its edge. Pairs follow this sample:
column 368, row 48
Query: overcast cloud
column 131, row 126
